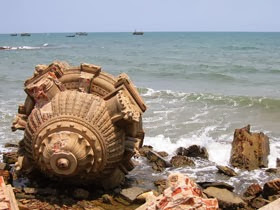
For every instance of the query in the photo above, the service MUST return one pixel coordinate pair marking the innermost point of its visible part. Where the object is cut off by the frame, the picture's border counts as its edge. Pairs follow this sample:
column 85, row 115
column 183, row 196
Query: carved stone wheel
column 81, row 125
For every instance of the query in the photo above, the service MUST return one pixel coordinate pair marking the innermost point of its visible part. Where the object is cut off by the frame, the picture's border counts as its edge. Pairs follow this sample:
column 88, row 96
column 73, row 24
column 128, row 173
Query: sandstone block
column 249, row 150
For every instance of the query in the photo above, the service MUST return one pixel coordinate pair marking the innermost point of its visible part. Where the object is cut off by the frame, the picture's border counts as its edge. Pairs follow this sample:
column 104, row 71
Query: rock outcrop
column 249, row 150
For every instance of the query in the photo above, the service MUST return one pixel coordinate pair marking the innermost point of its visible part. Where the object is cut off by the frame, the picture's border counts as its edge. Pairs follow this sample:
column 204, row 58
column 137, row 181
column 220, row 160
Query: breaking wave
column 45, row 45
column 266, row 103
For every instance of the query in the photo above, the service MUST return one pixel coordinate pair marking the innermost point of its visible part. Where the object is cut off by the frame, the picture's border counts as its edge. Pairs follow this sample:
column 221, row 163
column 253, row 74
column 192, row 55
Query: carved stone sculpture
column 81, row 124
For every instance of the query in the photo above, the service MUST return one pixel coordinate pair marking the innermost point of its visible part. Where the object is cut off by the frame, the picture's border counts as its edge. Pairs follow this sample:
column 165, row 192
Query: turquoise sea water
column 198, row 87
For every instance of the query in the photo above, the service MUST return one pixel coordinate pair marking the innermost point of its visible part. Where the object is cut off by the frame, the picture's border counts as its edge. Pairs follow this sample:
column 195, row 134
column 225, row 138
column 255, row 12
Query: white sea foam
column 219, row 152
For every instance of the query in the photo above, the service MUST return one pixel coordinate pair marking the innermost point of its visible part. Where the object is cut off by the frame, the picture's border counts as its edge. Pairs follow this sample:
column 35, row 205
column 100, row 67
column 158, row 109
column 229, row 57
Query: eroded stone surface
column 81, row 124
column 271, row 188
column 253, row 190
column 181, row 161
column 249, row 150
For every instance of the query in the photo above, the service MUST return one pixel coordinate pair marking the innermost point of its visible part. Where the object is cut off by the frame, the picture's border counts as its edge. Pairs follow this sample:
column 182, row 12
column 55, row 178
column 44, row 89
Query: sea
column 198, row 86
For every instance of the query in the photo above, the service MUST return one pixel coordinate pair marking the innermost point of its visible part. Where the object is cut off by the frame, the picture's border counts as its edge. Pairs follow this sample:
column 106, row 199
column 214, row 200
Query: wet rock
column 10, row 157
column 107, row 199
column 158, row 163
column 226, row 199
column 221, row 185
column 181, row 161
column 144, row 150
column 130, row 194
column 271, row 188
column 249, row 150
column 258, row 202
column 80, row 193
column 226, row 170
column 253, row 190
column 272, row 206
column 163, row 153
column 193, row 151
column 272, row 170
column 278, row 162
column 11, row 145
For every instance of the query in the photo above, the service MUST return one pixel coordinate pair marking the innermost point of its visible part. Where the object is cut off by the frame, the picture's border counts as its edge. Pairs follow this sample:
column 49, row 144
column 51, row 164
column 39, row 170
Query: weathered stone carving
column 249, row 150
column 81, row 124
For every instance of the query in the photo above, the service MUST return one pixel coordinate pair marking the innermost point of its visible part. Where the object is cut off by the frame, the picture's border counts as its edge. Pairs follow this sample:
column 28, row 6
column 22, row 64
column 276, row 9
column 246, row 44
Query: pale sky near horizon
column 146, row 15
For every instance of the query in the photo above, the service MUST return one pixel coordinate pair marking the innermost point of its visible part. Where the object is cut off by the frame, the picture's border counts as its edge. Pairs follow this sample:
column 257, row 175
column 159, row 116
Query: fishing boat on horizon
column 25, row 34
column 71, row 35
column 13, row 34
column 82, row 33
column 138, row 33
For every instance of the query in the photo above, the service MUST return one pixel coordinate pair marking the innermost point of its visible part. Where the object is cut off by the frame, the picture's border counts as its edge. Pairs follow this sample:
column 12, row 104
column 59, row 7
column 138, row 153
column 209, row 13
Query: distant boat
column 82, row 33
column 72, row 35
column 13, row 34
column 25, row 34
column 138, row 33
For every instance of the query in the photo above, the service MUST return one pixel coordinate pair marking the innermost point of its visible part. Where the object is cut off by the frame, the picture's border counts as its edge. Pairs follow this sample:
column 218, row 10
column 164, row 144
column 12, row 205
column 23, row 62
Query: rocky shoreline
column 249, row 152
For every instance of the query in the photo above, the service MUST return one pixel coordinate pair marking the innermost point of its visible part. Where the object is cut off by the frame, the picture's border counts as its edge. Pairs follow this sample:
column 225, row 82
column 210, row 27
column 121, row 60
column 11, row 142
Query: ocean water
column 198, row 87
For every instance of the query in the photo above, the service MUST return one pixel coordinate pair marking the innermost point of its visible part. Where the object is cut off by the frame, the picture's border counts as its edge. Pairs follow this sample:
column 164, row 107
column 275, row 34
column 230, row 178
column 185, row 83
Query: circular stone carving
column 63, row 163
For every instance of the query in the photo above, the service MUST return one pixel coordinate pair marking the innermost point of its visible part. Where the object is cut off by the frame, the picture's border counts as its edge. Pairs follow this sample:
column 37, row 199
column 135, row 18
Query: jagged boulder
column 249, row 150
column 182, row 193
column 253, row 190
column 271, row 188
column 158, row 163
column 181, row 161
column 193, row 151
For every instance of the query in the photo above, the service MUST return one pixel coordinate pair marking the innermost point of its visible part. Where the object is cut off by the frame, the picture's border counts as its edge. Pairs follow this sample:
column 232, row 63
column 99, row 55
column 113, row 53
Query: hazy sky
column 147, row 15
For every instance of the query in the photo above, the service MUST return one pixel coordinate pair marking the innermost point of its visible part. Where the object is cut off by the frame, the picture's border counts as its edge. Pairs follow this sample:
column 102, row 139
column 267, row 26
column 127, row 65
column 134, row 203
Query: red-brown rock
column 253, row 190
column 271, row 188
column 249, row 150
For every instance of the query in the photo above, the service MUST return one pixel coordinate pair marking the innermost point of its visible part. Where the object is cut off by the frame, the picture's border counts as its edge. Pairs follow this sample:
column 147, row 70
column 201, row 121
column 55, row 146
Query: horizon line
column 144, row 32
